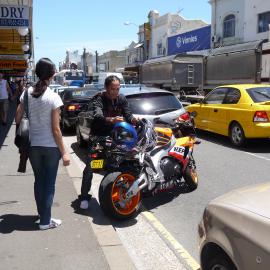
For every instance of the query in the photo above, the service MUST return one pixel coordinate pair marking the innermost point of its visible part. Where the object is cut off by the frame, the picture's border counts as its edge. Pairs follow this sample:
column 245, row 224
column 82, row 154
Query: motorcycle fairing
column 163, row 135
column 181, row 148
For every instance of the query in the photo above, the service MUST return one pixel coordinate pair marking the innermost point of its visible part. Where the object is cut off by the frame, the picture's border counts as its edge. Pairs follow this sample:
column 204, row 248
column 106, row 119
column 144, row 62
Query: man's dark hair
column 110, row 79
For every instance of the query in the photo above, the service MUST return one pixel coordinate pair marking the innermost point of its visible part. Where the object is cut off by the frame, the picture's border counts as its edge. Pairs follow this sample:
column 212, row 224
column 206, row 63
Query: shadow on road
column 12, row 222
column 98, row 217
column 252, row 145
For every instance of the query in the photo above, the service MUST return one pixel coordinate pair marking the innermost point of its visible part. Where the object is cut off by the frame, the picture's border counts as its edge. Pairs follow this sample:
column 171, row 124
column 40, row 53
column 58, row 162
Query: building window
column 229, row 26
column 263, row 22
column 159, row 49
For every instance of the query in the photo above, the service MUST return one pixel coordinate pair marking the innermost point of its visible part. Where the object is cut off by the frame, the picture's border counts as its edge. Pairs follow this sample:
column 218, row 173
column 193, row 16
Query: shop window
column 229, row 26
column 263, row 22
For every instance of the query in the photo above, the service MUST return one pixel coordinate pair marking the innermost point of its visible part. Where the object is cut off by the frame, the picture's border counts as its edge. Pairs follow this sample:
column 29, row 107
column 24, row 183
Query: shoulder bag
column 22, row 138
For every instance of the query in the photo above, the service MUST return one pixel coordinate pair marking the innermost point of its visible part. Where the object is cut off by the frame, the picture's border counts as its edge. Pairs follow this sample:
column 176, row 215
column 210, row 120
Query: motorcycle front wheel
column 112, row 195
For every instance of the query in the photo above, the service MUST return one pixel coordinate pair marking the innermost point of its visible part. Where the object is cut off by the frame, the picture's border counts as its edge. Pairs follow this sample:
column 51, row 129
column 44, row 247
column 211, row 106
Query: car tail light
column 73, row 107
column 184, row 117
column 260, row 116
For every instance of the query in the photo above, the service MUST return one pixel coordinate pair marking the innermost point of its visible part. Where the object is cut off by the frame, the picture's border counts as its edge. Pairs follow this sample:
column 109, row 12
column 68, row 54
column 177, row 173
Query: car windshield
column 259, row 94
column 153, row 103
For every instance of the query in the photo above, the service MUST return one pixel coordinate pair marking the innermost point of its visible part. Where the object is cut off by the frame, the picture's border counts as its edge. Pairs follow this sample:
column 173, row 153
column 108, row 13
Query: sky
column 60, row 25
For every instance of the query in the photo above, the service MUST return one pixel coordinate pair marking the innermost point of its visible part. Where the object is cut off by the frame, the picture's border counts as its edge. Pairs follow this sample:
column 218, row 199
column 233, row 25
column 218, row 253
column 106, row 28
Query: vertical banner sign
column 14, row 16
column 196, row 40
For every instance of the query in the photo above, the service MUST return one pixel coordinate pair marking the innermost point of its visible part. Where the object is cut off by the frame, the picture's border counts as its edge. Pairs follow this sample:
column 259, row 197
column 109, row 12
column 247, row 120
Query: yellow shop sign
column 11, row 48
column 10, row 64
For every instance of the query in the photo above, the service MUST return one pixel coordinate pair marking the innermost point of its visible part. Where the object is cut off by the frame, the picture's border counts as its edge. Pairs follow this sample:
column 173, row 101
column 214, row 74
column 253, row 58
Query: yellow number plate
column 97, row 164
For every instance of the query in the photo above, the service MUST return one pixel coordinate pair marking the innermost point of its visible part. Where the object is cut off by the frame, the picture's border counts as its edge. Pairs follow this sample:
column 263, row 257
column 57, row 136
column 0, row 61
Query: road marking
column 257, row 156
column 189, row 260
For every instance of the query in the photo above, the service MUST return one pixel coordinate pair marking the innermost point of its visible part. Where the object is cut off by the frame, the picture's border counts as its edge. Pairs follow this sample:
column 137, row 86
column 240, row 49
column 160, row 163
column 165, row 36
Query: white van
column 103, row 75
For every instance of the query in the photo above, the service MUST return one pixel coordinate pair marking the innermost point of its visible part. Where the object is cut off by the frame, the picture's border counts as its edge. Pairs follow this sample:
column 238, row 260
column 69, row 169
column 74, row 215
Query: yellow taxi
column 239, row 111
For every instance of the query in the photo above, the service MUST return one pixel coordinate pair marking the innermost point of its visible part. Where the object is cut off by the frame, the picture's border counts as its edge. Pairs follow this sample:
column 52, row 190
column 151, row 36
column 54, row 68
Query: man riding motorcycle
column 109, row 108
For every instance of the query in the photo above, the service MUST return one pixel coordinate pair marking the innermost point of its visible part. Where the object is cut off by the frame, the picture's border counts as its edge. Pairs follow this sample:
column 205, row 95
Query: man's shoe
column 53, row 224
column 84, row 204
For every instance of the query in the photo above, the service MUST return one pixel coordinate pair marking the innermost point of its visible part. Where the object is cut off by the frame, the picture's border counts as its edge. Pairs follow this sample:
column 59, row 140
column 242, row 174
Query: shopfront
column 16, row 46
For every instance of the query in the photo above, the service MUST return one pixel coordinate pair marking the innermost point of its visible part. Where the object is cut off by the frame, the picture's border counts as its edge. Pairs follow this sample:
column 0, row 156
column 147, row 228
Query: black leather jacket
column 105, row 107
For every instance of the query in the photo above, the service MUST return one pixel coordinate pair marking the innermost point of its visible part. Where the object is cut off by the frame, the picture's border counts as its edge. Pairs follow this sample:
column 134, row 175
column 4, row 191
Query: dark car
column 144, row 102
column 75, row 100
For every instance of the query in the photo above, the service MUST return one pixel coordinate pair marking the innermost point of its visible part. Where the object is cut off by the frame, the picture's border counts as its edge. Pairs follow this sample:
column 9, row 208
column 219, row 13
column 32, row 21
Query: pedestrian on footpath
column 5, row 91
column 47, row 146
column 109, row 108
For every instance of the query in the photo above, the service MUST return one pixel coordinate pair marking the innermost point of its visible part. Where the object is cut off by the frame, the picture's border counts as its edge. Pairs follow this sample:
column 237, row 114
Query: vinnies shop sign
column 14, row 16
column 195, row 40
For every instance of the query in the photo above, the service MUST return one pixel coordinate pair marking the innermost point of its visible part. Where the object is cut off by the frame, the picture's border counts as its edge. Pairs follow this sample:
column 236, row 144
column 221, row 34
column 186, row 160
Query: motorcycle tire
column 191, row 178
column 112, row 192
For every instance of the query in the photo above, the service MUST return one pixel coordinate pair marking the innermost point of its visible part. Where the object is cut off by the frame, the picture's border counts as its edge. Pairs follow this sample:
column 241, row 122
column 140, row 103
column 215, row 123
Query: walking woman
column 47, row 146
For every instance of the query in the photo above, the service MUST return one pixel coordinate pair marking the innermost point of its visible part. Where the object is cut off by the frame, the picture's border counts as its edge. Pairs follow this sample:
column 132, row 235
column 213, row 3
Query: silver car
column 234, row 231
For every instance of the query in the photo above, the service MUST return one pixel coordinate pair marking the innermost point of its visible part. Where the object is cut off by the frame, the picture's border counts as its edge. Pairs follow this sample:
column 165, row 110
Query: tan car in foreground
column 235, row 230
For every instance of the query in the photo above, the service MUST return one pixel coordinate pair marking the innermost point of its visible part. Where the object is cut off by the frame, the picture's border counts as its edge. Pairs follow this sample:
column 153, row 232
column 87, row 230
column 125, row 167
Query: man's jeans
column 87, row 179
column 44, row 161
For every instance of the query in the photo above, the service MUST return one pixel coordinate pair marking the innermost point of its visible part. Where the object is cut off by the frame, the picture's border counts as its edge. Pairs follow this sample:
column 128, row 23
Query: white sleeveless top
column 40, row 117
column 3, row 89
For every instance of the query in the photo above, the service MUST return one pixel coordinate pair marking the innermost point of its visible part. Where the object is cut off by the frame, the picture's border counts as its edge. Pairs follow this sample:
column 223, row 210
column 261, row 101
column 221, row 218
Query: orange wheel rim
column 120, row 186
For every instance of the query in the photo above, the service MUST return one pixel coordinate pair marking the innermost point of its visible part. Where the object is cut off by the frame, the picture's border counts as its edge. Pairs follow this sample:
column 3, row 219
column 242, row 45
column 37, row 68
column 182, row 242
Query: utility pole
column 84, row 61
column 96, row 61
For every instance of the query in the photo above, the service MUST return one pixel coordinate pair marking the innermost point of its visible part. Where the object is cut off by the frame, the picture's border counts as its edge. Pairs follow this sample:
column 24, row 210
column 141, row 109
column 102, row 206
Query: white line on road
column 257, row 156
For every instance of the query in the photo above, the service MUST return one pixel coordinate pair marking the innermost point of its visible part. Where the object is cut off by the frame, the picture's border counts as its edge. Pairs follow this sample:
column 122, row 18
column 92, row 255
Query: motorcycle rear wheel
column 191, row 178
column 112, row 192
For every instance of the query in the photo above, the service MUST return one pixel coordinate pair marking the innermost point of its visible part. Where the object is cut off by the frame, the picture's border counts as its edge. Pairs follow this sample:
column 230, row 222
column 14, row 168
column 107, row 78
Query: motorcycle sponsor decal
column 179, row 150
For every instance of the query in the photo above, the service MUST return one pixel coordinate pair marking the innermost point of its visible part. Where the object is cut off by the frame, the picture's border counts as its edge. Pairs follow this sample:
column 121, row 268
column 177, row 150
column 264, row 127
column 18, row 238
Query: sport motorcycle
column 160, row 158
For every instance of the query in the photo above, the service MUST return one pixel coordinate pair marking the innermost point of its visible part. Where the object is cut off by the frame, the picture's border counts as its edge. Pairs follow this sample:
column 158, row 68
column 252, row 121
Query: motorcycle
column 161, row 160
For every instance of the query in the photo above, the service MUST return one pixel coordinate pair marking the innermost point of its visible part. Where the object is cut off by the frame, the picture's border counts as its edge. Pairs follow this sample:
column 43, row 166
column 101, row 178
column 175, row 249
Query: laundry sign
column 14, row 16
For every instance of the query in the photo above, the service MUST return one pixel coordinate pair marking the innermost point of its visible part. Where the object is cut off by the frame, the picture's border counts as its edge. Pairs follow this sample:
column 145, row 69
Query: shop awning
column 138, row 45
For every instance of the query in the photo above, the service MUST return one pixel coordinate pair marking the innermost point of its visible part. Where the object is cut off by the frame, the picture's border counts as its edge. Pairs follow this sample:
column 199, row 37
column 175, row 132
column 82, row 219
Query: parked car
column 54, row 86
column 75, row 100
column 144, row 102
column 238, row 111
column 61, row 89
column 234, row 231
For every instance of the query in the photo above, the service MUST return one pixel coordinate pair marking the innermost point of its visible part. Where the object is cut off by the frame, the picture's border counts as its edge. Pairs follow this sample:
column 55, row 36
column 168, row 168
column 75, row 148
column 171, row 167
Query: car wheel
column 237, row 135
column 219, row 262
column 80, row 139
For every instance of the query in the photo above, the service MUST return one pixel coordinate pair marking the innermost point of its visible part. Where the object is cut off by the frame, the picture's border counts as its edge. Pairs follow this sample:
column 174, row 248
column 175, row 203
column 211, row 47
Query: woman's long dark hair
column 45, row 69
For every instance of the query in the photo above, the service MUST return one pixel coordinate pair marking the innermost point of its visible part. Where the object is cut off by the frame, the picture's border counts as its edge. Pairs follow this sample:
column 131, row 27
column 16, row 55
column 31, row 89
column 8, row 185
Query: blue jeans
column 44, row 161
column 87, row 179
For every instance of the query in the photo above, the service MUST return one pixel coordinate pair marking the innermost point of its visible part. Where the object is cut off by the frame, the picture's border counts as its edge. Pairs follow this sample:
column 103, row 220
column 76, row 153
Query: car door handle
column 215, row 110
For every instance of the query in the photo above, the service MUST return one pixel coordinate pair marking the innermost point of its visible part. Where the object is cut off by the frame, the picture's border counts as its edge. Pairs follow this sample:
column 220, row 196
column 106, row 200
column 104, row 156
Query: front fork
column 137, row 185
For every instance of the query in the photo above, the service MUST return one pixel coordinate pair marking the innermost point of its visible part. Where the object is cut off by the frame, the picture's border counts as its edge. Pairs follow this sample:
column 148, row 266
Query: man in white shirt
column 4, row 91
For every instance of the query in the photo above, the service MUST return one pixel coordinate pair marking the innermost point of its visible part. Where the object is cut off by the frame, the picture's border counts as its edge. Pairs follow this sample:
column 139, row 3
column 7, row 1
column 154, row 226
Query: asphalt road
column 166, row 231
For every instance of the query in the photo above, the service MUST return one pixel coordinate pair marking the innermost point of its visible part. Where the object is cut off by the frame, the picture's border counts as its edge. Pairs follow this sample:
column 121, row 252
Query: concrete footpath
column 74, row 245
